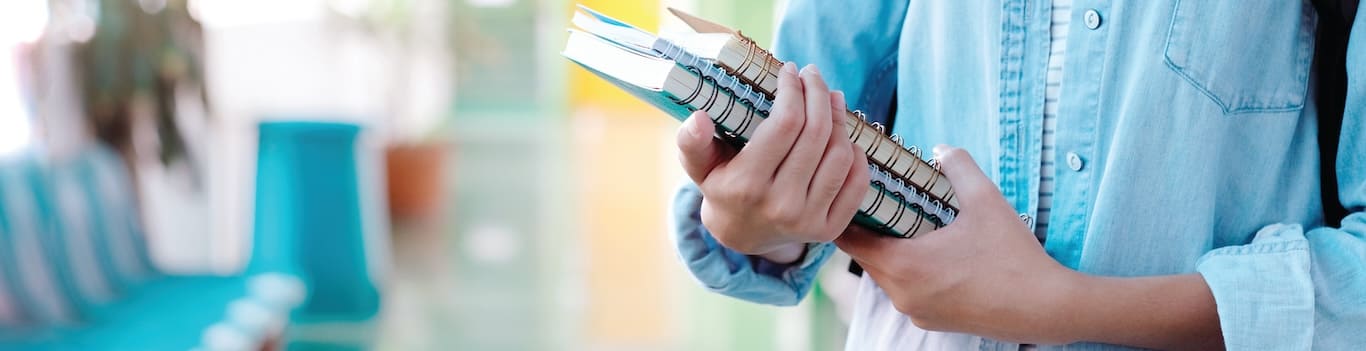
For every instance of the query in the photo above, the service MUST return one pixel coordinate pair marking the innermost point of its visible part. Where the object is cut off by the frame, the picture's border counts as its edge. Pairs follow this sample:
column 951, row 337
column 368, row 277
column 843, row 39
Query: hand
column 798, row 180
column 984, row 274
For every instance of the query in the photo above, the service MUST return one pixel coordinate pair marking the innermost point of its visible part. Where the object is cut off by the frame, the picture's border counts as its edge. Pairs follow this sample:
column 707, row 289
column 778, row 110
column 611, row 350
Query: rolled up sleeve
column 1263, row 291
column 1292, row 289
column 735, row 274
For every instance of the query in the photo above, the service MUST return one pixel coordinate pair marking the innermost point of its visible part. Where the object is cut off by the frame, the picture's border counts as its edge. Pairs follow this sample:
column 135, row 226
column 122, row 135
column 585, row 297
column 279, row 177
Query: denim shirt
column 1186, row 142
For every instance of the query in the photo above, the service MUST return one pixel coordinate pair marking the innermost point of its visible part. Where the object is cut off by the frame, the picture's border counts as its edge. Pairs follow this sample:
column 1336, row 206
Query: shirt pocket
column 1248, row 56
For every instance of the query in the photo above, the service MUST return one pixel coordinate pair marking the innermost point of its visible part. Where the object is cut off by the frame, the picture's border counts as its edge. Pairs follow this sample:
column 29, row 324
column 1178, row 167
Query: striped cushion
column 109, row 187
column 70, row 243
column 98, row 246
column 70, row 237
column 11, row 313
column 31, row 279
column 84, row 255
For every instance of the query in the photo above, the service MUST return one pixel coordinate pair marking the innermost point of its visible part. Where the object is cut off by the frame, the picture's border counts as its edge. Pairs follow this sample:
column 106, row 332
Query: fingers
column 853, row 191
column 699, row 152
column 773, row 140
column 834, row 168
column 868, row 248
column 839, row 116
column 795, row 173
column 967, row 178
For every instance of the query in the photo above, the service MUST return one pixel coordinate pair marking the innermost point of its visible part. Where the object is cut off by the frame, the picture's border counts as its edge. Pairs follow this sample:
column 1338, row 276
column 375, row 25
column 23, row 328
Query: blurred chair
column 75, row 272
column 308, row 211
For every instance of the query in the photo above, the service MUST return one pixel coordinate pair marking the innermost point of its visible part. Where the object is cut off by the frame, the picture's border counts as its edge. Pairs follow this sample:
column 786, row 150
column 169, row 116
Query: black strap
column 1330, row 59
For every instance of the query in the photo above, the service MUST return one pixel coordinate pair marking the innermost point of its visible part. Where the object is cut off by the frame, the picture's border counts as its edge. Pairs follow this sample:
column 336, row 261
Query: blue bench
column 75, row 272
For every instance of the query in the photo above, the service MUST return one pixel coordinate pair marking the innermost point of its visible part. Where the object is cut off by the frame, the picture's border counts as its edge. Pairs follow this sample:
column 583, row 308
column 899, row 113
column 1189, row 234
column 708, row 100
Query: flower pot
column 416, row 179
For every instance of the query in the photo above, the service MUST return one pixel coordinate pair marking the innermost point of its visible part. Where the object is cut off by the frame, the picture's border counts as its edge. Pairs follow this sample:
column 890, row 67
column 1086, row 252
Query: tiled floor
column 470, row 279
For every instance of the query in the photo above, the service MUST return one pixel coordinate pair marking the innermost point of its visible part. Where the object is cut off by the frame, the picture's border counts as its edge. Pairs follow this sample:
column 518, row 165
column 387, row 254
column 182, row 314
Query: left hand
column 984, row 274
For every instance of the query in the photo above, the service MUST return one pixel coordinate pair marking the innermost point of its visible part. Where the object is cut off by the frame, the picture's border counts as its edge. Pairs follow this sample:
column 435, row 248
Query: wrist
column 1064, row 306
column 785, row 254
column 1157, row 312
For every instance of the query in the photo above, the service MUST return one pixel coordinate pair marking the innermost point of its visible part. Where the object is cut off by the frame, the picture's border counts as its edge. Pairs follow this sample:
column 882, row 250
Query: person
column 1167, row 151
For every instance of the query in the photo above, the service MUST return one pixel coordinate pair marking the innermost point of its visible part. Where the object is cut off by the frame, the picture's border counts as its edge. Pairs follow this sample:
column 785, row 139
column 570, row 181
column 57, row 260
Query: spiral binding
column 769, row 63
column 1028, row 220
column 891, row 162
column 717, row 75
column 909, row 196
column 931, row 207
column 760, row 101
column 738, row 132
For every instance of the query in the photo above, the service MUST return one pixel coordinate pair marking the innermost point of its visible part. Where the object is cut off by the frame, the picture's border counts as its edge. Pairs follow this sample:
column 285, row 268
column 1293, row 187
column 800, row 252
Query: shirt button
column 1074, row 161
column 1092, row 19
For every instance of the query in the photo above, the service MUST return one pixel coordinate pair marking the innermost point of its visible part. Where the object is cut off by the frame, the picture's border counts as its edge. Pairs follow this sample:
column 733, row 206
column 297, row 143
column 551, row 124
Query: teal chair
column 308, row 207
column 75, row 273
column 76, row 269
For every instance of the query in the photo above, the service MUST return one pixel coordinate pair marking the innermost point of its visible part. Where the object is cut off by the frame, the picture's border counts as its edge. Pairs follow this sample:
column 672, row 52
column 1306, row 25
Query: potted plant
column 419, row 98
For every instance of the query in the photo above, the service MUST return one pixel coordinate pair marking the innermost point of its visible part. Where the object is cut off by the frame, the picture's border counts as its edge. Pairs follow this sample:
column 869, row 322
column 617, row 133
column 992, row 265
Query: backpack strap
column 1330, row 60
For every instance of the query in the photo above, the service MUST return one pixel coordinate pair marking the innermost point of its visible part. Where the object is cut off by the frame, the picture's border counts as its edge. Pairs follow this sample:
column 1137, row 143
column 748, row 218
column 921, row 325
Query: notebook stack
column 721, row 71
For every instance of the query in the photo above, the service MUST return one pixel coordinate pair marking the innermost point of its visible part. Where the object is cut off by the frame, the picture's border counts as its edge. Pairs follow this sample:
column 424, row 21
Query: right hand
column 798, row 180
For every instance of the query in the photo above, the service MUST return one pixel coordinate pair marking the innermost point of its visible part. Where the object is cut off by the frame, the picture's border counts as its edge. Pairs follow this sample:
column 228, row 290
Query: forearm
column 1173, row 312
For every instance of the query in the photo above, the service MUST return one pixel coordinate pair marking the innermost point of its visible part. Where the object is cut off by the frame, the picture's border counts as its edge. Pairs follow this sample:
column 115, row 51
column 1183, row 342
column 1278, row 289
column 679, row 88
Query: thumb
column 963, row 173
column 864, row 245
column 698, row 150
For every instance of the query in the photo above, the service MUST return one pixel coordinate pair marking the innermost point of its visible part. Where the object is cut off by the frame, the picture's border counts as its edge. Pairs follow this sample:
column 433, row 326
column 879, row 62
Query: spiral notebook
column 907, row 196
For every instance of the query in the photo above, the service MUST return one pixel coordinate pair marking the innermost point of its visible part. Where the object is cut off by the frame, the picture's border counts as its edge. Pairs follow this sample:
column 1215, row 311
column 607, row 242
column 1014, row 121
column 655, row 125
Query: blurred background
column 450, row 181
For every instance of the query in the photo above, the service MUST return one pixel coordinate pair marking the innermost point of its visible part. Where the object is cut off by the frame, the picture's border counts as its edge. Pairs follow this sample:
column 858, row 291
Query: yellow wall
column 588, row 90
column 617, row 148
column 622, row 217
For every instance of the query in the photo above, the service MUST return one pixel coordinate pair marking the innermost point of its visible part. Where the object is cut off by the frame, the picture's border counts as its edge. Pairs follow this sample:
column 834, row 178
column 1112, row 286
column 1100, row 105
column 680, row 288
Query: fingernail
column 790, row 67
column 811, row 70
column 839, row 98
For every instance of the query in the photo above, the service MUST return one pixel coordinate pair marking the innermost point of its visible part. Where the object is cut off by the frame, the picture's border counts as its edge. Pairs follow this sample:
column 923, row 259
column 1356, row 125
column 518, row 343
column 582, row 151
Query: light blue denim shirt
column 1193, row 122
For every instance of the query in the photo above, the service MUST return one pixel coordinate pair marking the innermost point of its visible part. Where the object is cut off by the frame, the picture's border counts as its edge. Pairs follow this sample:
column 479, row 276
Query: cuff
column 1263, row 290
column 734, row 274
